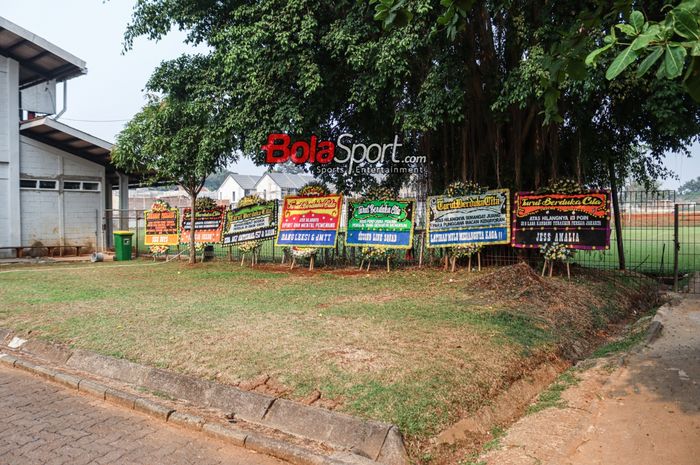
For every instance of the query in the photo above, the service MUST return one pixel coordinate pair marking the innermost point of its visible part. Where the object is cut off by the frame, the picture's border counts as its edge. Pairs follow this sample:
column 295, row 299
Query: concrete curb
column 252, row 441
column 360, row 442
column 657, row 324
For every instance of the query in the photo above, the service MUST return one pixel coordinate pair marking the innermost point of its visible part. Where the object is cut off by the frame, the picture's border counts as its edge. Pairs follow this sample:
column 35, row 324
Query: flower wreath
column 256, row 244
column 557, row 252
column 157, row 250
column 249, row 200
column 250, row 246
column 205, row 203
column 377, row 253
column 303, row 252
column 461, row 189
column 199, row 246
column 314, row 189
column 159, row 206
column 466, row 250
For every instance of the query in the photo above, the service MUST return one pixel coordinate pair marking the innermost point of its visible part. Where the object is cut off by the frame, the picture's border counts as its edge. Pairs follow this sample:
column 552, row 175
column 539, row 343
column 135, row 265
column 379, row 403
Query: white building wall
column 83, row 216
column 227, row 190
column 40, row 217
column 9, row 154
column 60, row 217
column 268, row 189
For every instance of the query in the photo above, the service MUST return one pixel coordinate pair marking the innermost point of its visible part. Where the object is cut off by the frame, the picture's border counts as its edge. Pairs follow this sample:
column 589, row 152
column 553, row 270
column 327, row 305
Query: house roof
column 39, row 59
column 246, row 181
column 287, row 180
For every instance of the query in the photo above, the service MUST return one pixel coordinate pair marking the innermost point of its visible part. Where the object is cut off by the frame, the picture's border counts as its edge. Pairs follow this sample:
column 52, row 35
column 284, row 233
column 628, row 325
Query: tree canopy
column 672, row 44
column 496, row 92
column 690, row 187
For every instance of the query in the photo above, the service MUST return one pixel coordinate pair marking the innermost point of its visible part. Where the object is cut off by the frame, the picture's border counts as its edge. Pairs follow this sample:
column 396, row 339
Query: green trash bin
column 122, row 245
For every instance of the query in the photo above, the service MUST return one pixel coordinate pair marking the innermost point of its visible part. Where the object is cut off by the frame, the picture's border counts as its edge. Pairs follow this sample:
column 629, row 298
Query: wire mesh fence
column 687, row 261
column 658, row 239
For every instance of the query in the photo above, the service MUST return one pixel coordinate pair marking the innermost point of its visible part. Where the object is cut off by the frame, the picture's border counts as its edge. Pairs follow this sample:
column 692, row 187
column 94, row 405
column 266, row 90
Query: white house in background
column 236, row 186
column 55, row 181
column 274, row 185
column 142, row 198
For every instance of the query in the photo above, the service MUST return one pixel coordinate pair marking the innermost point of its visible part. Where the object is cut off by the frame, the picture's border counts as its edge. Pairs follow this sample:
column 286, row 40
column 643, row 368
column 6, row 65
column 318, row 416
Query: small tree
column 178, row 140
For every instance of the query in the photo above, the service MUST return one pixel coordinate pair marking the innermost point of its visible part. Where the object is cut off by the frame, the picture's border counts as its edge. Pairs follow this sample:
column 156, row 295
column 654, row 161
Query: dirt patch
column 581, row 316
column 302, row 269
column 356, row 360
column 265, row 384
column 506, row 407
column 639, row 408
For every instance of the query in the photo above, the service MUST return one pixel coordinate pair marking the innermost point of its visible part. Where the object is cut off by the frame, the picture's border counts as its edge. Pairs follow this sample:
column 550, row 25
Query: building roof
column 246, row 181
column 39, row 59
column 68, row 139
column 80, row 144
column 287, row 180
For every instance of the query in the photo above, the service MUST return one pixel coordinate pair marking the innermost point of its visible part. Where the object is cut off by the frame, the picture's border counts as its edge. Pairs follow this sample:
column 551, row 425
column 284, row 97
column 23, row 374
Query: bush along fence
column 559, row 230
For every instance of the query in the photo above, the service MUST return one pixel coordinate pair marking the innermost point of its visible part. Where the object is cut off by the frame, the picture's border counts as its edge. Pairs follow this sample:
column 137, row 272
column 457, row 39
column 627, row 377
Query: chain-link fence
column 658, row 239
column 687, row 253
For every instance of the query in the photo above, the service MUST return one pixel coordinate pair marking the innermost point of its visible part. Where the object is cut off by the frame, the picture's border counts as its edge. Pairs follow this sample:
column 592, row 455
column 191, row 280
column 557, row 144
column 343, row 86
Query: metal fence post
column 137, row 233
column 676, row 247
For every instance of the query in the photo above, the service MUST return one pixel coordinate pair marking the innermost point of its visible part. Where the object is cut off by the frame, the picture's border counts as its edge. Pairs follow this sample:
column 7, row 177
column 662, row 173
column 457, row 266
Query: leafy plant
column 673, row 45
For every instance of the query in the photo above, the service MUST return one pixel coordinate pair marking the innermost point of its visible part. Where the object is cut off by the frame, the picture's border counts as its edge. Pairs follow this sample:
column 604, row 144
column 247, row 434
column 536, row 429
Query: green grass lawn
column 419, row 348
column 649, row 250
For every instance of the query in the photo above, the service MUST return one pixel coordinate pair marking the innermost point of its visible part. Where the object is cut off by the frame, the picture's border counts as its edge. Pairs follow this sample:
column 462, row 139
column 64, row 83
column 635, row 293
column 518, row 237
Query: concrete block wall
column 60, row 217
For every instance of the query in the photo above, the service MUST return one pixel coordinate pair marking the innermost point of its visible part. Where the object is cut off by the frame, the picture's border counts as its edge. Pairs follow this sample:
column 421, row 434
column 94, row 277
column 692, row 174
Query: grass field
column 419, row 348
column 650, row 250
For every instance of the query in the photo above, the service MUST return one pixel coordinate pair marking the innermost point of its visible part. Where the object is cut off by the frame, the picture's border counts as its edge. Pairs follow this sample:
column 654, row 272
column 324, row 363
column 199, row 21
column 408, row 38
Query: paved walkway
column 42, row 423
column 646, row 412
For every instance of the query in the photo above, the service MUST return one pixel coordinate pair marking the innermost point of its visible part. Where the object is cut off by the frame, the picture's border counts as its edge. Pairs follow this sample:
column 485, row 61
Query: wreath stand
column 362, row 264
column 369, row 263
column 253, row 259
column 453, row 262
column 311, row 262
column 550, row 264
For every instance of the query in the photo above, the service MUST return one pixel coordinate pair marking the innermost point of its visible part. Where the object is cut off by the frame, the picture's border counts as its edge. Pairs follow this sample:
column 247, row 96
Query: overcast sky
column 112, row 92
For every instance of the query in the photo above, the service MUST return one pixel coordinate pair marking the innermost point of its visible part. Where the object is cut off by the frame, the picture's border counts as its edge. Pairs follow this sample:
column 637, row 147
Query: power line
column 95, row 120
